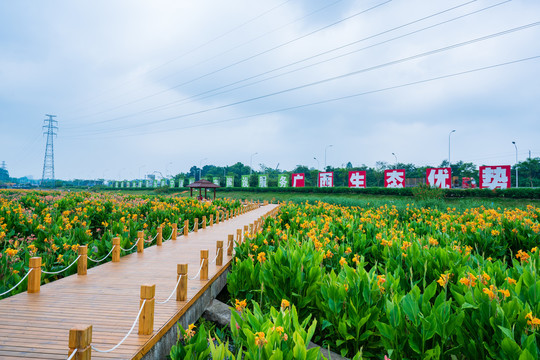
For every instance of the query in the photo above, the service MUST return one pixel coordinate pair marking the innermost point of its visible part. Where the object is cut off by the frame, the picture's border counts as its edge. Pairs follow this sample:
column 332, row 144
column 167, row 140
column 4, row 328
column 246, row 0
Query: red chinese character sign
column 357, row 179
column 439, row 177
column 394, row 178
column 495, row 177
column 298, row 180
column 326, row 179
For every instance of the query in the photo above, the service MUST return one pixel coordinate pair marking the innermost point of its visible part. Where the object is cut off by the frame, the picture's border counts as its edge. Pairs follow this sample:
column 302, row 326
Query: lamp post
column 326, row 148
column 449, row 162
column 318, row 164
column 517, row 175
column 396, row 158
column 200, row 167
column 250, row 162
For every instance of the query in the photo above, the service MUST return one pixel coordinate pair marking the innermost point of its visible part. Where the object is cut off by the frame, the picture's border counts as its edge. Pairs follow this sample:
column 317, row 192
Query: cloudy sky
column 143, row 86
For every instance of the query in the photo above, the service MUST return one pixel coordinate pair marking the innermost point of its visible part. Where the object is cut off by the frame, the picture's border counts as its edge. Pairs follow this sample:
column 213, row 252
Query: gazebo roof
column 203, row 184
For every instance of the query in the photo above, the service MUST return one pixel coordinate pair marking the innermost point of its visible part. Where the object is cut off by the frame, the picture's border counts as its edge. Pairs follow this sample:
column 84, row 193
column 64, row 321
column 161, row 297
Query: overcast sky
column 143, row 86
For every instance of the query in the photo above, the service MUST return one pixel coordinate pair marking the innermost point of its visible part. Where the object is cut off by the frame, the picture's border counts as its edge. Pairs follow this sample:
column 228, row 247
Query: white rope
column 150, row 240
column 172, row 293
column 170, row 237
column 72, row 354
column 219, row 250
column 125, row 337
column 19, row 283
column 64, row 269
column 106, row 256
column 131, row 248
column 198, row 272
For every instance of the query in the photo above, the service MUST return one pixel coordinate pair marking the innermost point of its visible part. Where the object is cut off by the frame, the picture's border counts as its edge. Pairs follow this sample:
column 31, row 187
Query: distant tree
column 349, row 165
column 529, row 172
column 4, row 175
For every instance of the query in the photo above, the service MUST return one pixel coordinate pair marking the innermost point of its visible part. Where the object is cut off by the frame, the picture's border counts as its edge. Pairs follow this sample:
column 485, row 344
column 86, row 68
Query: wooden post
column 246, row 231
column 140, row 241
column 174, row 231
column 186, row 227
column 211, row 219
column 116, row 249
column 80, row 339
column 217, row 217
column 159, row 239
column 239, row 236
column 34, row 278
column 146, row 321
column 82, row 263
column 204, row 222
column 219, row 253
column 181, row 291
column 227, row 216
column 196, row 228
column 230, row 244
column 204, row 262
column 251, row 228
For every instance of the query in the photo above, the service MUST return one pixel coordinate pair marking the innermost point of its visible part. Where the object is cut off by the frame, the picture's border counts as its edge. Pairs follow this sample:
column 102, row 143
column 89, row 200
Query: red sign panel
column 357, row 179
column 439, row 177
column 298, row 180
column 495, row 177
column 326, row 179
column 394, row 178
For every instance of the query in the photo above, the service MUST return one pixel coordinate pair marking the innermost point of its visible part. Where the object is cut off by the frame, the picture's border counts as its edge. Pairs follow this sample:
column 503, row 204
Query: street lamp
column 200, row 167
column 250, row 162
column 325, row 155
column 396, row 158
column 517, row 175
column 449, row 162
column 318, row 164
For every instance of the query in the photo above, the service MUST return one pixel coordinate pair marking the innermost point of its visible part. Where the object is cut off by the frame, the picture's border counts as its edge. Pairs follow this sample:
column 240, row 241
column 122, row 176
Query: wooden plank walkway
column 36, row 326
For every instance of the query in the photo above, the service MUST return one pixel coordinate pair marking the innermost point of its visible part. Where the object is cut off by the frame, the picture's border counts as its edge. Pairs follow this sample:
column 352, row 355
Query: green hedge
column 521, row 193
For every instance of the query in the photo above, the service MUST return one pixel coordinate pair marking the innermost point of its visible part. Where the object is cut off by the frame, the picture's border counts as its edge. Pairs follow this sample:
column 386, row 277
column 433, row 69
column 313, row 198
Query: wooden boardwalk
column 36, row 326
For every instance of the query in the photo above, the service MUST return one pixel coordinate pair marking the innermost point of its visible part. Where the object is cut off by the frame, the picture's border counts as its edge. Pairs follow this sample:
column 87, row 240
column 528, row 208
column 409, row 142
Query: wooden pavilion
column 203, row 184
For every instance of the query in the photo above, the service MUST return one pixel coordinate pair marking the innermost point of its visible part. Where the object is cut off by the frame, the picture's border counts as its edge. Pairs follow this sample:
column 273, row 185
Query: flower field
column 414, row 283
column 53, row 225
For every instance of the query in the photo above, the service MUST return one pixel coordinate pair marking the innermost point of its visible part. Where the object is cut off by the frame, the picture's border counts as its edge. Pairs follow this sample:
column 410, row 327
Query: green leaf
column 386, row 330
column 526, row 355
column 507, row 332
column 510, row 348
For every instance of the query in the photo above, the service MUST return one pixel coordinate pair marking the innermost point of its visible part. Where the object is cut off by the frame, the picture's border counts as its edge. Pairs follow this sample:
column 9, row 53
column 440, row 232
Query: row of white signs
column 491, row 177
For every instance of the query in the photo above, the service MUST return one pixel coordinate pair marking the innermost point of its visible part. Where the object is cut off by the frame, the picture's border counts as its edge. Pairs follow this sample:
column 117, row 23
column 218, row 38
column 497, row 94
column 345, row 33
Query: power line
column 342, row 76
column 200, row 46
column 198, row 96
column 339, row 98
column 245, row 59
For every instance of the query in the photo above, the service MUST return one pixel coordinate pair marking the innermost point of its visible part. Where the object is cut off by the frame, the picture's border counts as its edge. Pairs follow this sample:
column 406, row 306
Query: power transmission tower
column 49, row 125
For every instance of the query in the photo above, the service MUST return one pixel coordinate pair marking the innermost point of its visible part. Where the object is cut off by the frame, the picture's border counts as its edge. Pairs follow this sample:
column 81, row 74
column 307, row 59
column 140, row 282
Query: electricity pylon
column 49, row 125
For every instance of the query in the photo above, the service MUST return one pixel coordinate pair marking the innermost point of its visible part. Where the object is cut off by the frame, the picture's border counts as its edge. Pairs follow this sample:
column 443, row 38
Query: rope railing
column 198, row 272
column 150, row 240
column 19, row 283
column 72, row 355
column 170, row 237
column 103, row 258
column 172, row 293
column 64, row 269
column 125, row 337
column 217, row 254
column 131, row 248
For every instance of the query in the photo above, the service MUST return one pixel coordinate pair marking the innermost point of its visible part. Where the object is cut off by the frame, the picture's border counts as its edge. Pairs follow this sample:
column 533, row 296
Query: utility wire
column 339, row 98
column 245, row 59
column 208, row 42
column 319, row 82
column 208, row 95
